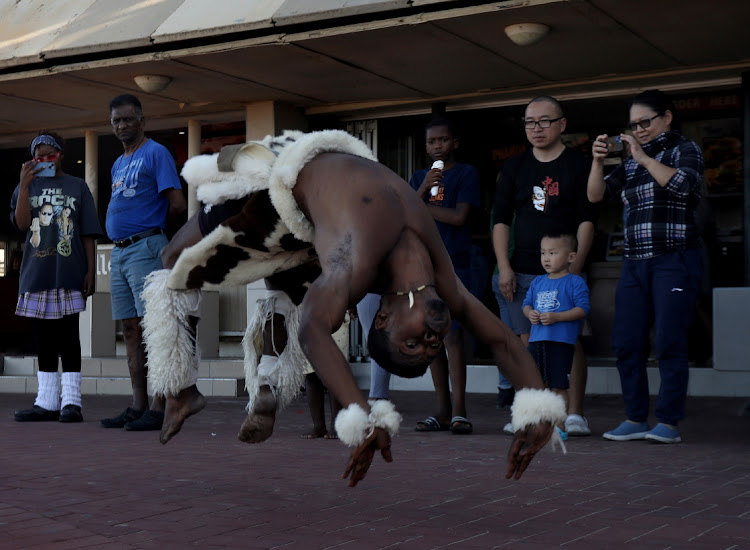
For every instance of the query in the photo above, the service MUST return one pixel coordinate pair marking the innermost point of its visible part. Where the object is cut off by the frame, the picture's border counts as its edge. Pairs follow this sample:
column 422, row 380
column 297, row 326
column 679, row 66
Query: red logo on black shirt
column 551, row 187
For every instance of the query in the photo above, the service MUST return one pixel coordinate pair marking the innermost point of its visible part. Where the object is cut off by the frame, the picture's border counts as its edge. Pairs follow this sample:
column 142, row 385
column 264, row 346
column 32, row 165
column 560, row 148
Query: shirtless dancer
column 373, row 234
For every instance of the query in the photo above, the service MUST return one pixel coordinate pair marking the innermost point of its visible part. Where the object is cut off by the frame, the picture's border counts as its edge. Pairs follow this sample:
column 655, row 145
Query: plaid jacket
column 659, row 220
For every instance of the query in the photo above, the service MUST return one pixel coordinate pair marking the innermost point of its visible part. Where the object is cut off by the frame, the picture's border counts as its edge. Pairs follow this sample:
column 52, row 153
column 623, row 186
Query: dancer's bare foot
column 258, row 426
column 331, row 436
column 186, row 403
column 316, row 433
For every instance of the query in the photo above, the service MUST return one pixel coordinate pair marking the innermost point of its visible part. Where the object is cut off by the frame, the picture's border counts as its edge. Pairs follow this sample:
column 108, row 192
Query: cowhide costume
column 269, row 238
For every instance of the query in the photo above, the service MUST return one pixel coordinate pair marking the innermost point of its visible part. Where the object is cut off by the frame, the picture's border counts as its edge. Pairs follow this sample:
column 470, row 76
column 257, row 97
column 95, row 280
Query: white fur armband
column 534, row 406
column 354, row 425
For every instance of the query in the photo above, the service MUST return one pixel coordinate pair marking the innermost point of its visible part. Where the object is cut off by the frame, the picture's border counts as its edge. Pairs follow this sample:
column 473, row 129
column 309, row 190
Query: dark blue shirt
column 62, row 213
column 460, row 184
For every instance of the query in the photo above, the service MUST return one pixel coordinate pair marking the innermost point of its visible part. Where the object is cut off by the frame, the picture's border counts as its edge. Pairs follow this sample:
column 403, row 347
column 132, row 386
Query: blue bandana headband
column 45, row 139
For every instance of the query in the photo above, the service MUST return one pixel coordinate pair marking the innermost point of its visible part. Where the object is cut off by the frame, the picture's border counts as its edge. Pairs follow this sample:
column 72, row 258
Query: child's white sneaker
column 575, row 424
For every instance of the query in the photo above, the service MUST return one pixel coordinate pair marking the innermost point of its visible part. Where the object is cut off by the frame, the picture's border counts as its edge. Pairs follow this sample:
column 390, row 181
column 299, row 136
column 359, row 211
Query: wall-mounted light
column 152, row 83
column 526, row 34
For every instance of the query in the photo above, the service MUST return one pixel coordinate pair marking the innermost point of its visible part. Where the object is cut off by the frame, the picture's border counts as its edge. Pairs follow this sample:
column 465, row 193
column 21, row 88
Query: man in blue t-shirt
column 449, row 192
column 146, row 204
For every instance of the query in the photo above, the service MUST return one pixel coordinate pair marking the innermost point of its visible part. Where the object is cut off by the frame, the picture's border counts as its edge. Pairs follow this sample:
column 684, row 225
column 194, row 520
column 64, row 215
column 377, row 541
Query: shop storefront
column 488, row 137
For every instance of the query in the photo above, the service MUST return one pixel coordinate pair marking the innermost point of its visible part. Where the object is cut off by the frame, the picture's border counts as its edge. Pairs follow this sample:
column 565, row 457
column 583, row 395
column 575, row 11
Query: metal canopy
column 61, row 62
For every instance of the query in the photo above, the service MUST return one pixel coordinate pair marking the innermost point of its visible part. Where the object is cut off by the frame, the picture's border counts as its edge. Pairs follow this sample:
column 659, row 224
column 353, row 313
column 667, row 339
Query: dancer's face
column 417, row 333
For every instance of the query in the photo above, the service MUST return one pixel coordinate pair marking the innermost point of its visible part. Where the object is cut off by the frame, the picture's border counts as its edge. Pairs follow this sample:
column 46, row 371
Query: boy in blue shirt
column 449, row 189
column 555, row 304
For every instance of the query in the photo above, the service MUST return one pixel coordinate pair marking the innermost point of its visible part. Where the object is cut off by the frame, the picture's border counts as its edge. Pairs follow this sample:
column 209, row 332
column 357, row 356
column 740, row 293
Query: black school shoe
column 128, row 415
column 71, row 413
column 150, row 420
column 35, row 414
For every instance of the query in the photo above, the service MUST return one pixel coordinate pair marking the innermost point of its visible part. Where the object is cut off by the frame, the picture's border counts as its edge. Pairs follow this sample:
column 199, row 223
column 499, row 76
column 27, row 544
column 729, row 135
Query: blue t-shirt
column 459, row 184
column 137, row 183
column 559, row 295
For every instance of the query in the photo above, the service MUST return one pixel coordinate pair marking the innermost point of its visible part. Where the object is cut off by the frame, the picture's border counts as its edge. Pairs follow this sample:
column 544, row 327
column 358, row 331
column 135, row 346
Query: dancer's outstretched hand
column 362, row 456
column 525, row 445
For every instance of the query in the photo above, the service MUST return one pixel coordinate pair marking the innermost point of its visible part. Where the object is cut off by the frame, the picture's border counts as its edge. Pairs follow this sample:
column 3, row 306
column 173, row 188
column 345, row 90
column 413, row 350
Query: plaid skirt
column 50, row 304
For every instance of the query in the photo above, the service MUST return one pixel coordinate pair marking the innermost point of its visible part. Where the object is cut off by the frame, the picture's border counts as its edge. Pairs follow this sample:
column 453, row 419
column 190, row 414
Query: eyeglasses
column 47, row 158
column 544, row 123
column 645, row 123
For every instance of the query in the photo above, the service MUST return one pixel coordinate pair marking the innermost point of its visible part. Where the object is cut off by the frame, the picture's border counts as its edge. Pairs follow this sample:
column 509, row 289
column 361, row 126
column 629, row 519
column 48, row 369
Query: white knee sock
column 48, row 394
column 71, row 388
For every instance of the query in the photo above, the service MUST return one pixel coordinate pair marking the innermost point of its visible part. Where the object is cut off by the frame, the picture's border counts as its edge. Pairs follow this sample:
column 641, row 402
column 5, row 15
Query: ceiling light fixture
column 526, row 34
column 152, row 83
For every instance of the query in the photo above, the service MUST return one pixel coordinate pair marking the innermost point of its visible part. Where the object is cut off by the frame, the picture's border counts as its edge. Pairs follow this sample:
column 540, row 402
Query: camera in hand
column 615, row 144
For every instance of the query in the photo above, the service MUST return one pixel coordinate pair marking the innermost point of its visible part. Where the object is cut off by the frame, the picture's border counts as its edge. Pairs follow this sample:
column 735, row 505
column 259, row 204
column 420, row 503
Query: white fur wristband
column 534, row 406
column 354, row 425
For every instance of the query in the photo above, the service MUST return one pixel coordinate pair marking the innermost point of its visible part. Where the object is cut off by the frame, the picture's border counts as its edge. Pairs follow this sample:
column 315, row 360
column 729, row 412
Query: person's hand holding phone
column 28, row 173
column 600, row 148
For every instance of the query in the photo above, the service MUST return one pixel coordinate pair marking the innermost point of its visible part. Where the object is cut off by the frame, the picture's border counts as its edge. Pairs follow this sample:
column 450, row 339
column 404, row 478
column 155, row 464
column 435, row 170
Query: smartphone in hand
column 47, row 170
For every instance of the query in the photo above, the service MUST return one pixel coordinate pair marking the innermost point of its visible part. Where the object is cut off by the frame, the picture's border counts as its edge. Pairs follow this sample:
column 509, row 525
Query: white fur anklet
column 534, row 406
column 354, row 425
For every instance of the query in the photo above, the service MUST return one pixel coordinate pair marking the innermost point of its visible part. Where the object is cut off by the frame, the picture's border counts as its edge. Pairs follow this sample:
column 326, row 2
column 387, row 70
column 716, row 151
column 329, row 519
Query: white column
column 95, row 324
column 260, row 120
column 92, row 164
column 208, row 328
column 194, row 149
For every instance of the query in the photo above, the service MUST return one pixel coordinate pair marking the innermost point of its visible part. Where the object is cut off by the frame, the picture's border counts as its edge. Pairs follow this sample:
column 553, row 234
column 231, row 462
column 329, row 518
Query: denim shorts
column 517, row 321
column 129, row 267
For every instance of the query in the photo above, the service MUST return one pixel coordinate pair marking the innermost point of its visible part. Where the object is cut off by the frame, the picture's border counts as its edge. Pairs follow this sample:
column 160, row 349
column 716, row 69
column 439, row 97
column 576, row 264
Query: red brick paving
column 79, row 486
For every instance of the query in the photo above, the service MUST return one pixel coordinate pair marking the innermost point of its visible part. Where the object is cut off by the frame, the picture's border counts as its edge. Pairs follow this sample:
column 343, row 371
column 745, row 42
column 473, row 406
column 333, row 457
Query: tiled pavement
column 66, row 486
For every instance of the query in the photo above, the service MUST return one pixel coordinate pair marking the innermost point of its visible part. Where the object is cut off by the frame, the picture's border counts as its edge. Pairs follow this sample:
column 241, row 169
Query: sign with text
column 103, row 255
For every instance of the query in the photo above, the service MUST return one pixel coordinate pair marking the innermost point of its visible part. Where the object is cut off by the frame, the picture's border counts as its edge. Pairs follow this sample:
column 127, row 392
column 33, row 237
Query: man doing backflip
column 370, row 233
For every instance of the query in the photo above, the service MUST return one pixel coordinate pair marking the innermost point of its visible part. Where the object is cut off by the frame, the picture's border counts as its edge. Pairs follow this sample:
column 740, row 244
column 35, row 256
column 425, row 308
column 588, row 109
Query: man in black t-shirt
column 545, row 188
